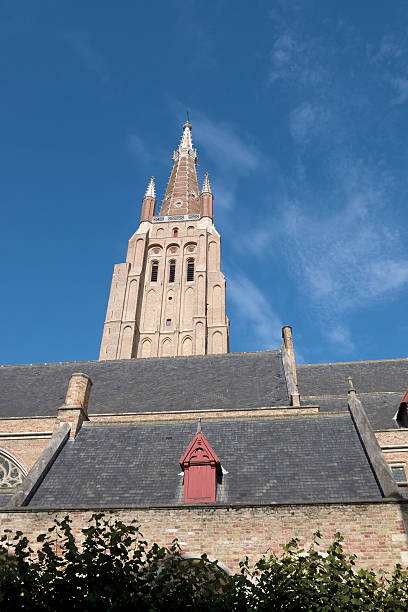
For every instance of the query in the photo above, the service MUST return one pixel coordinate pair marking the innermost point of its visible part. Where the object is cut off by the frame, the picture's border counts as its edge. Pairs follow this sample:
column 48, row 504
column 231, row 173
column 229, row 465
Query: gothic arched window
column 190, row 270
column 11, row 474
column 172, row 271
column 155, row 269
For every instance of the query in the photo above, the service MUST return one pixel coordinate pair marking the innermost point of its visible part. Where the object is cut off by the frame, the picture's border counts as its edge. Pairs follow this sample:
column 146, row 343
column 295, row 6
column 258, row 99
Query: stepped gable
column 263, row 460
column 233, row 380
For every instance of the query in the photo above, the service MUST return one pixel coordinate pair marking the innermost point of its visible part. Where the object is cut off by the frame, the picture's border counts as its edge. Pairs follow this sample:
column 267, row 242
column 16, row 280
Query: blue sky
column 299, row 113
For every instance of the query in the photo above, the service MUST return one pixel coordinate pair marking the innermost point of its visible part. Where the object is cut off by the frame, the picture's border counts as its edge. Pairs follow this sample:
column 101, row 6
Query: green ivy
column 113, row 568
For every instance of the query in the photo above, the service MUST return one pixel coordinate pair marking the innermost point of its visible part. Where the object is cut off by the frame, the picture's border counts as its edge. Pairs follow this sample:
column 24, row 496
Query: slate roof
column 380, row 409
column 233, row 380
column 5, row 498
column 379, row 384
column 267, row 460
column 368, row 377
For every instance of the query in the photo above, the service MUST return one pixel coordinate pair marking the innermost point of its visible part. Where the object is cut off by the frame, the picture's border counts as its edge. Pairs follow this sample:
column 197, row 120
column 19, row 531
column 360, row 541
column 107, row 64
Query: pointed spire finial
column 351, row 386
column 186, row 143
column 206, row 184
column 151, row 191
column 198, row 425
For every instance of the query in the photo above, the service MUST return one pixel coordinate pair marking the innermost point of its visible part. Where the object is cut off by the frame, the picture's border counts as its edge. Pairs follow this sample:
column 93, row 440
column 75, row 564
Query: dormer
column 402, row 414
column 201, row 466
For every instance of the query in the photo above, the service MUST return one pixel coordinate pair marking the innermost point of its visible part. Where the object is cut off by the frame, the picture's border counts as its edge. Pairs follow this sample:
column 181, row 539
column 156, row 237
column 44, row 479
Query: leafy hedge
column 114, row 569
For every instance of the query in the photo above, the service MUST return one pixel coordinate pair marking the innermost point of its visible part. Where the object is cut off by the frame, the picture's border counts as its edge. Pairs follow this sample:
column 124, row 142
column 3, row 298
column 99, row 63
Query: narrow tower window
column 155, row 268
column 190, row 270
column 175, row 232
column 172, row 272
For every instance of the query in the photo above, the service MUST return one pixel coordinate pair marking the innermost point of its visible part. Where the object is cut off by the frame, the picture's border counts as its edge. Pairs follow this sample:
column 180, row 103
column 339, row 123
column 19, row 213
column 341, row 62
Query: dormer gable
column 201, row 466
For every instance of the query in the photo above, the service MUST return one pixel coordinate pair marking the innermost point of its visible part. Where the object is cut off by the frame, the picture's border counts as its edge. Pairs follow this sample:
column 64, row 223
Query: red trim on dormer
column 405, row 398
column 201, row 466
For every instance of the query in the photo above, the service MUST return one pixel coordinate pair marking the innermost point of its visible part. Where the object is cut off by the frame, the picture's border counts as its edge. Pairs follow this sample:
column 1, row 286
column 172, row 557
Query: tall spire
column 151, row 191
column 182, row 193
column 206, row 184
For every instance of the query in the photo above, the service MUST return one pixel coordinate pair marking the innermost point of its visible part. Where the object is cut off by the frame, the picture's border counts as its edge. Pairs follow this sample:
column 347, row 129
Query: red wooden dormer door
column 200, row 465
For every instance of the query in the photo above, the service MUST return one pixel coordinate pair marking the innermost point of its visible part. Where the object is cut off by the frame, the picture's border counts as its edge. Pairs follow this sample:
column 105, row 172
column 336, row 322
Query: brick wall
column 394, row 445
column 392, row 436
column 26, row 438
column 25, row 451
column 376, row 532
column 279, row 412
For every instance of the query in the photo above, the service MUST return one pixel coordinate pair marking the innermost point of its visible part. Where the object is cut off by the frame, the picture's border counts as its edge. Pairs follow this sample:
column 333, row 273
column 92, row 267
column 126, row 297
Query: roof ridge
column 345, row 395
column 344, row 414
column 313, row 365
column 22, row 365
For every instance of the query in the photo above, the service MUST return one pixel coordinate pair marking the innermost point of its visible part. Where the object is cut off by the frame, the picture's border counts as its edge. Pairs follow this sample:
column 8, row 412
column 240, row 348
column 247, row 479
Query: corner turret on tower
column 206, row 198
column 149, row 202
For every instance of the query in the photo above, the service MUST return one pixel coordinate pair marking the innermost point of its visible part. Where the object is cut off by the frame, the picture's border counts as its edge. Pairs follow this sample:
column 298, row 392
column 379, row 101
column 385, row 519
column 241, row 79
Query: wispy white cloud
column 79, row 40
column 341, row 246
column 233, row 155
column 400, row 85
column 391, row 60
column 255, row 311
column 308, row 120
column 345, row 257
column 228, row 146
column 292, row 59
column 147, row 154
column 340, row 335
column 139, row 149
column 389, row 49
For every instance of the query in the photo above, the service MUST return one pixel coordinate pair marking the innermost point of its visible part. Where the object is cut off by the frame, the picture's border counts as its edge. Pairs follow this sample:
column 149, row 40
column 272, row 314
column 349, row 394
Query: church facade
column 233, row 454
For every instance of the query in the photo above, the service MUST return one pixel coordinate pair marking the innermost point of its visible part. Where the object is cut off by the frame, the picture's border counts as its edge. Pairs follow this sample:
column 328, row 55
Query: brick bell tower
column 168, row 298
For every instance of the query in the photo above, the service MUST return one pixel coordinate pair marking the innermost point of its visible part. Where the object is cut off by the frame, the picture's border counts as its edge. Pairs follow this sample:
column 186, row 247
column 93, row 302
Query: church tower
column 168, row 298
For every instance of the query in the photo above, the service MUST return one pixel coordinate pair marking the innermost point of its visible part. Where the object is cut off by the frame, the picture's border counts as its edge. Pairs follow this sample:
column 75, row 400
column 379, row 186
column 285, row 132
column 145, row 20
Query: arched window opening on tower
column 155, row 269
column 190, row 270
column 175, row 232
column 172, row 271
